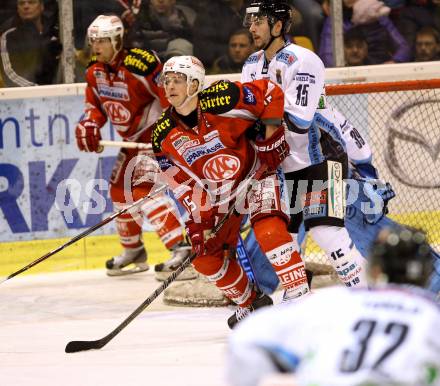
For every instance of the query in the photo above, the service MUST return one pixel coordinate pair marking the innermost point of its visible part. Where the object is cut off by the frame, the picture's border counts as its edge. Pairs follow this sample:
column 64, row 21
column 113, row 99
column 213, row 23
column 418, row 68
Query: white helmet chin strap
column 188, row 97
column 114, row 56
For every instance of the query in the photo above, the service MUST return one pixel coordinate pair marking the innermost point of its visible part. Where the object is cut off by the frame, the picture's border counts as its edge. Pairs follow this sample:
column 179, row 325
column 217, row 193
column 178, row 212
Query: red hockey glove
column 199, row 233
column 272, row 151
column 88, row 136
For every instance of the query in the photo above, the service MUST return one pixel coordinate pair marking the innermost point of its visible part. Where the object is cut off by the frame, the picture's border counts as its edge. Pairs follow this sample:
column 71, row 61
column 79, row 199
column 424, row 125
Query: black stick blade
column 84, row 345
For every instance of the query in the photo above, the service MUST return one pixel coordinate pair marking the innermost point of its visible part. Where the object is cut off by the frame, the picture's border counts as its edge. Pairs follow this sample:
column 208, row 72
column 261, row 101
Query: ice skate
column 261, row 300
column 179, row 253
column 132, row 260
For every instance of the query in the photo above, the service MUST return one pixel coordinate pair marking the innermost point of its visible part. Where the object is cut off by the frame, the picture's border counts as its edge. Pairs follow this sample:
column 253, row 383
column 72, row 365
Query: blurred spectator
column 213, row 27
column 427, row 46
column 177, row 47
column 85, row 11
column 240, row 47
column 7, row 11
column 416, row 15
column 30, row 49
column 312, row 19
column 197, row 6
column 355, row 48
column 395, row 3
column 385, row 43
column 368, row 11
column 158, row 23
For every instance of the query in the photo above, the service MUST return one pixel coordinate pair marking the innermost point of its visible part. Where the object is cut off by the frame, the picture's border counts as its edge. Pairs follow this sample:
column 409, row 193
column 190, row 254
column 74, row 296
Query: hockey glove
column 146, row 169
column 199, row 234
column 378, row 191
column 364, row 171
column 88, row 136
column 273, row 150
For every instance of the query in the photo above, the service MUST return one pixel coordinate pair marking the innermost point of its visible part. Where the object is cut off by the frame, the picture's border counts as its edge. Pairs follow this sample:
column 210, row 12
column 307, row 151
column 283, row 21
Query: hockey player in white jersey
column 386, row 335
column 317, row 149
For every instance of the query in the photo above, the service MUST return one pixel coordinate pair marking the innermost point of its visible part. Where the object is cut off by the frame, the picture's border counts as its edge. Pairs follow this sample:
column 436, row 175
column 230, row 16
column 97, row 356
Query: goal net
column 401, row 121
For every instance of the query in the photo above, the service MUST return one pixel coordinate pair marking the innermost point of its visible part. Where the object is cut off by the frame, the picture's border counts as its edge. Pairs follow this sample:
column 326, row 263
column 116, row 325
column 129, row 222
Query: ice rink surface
column 40, row 314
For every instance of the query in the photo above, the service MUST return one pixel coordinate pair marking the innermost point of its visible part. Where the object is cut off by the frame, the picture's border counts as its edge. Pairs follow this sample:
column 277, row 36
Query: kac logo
column 117, row 112
column 221, row 167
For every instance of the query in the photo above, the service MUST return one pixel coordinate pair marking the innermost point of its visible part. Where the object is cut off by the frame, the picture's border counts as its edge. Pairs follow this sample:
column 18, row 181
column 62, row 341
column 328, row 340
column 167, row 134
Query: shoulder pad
column 161, row 129
column 92, row 61
column 219, row 98
column 140, row 62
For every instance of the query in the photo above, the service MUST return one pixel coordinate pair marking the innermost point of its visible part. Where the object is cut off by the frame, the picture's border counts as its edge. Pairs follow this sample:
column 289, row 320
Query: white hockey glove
column 146, row 168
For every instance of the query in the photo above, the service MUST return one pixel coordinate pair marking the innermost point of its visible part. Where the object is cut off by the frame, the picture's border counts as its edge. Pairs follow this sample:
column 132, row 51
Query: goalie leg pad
column 342, row 254
column 228, row 276
column 283, row 253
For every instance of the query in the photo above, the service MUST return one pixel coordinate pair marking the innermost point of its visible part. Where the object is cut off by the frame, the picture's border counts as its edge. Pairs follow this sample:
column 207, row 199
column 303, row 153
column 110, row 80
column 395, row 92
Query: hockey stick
column 127, row 145
column 83, row 345
column 245, row 261
column 85, row 233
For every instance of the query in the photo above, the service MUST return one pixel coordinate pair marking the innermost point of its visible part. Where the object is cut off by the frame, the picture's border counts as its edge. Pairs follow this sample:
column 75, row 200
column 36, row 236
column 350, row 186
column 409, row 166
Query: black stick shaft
column 81, row 345
column 83, row 234
column 76, row 346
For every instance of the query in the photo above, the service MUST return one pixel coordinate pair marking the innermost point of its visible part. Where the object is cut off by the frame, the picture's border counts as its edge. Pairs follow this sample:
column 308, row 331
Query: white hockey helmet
column 188, row 65
column 107, row 27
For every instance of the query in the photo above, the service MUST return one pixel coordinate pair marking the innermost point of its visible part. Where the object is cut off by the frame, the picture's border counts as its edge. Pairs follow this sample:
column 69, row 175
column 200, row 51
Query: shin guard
column 342, row 254
column 282, row 252
column 228, row 276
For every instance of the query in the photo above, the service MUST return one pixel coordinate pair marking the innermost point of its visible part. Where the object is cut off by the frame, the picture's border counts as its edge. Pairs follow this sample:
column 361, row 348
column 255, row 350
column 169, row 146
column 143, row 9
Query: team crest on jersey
column 221, row 167
column 117, row 112
column 194, row 153
column 286, row 57
column 249, row 97
column 106, row 91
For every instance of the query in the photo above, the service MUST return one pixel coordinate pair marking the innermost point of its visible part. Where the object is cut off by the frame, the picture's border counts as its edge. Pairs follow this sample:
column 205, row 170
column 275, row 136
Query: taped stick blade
column 84, row 345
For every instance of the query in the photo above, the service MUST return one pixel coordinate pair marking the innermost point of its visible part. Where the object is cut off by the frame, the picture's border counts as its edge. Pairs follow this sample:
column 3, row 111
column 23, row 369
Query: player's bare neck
column 188, row 107
column 115, row 62
column 276, row 45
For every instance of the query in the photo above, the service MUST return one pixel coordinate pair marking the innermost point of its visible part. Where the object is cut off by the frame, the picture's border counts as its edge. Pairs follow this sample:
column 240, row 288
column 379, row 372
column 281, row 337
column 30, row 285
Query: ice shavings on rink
column 165, row 345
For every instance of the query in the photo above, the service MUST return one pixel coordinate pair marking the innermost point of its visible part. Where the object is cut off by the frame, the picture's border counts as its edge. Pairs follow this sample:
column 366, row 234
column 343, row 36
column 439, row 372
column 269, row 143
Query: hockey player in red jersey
column 122, row 87
column 202, row 145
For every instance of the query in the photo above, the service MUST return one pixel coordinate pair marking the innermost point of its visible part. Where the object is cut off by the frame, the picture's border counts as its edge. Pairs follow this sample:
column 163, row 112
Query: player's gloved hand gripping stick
column 87, row 232
column 81, row 345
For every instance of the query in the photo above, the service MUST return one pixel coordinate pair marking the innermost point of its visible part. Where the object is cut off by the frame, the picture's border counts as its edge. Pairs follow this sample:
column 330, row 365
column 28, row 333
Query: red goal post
column 401, row 121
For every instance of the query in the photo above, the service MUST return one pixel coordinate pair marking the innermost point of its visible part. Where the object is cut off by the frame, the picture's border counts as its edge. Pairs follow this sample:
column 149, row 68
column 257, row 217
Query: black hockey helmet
column 274, row 10
column 402, row 256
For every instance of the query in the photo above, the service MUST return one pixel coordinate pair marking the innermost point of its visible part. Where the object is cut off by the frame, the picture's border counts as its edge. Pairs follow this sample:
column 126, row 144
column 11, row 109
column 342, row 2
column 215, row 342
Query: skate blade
column 188, row 274
column 139, row 267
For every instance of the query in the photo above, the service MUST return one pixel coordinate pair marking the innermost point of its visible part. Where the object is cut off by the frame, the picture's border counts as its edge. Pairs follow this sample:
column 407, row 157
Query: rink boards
column 49, row 191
